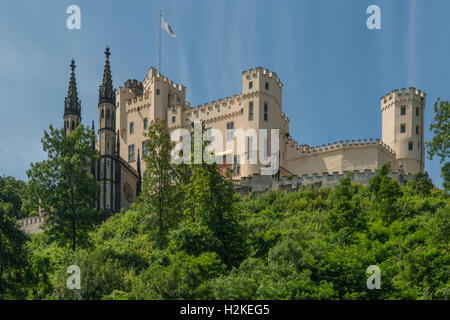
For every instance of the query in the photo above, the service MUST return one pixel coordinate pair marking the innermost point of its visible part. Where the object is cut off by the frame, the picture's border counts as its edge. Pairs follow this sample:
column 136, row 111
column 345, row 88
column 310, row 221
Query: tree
column 159, row 189
column 12, row 191
column 421, row 184
column 63, row 187
column 13, row 255
column 211, row 203
column 439, row 146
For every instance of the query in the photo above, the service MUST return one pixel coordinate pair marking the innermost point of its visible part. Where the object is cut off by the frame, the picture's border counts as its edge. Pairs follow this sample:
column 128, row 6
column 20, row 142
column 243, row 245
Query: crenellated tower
column 403, row 127
column 72, row 106
column 108, row 166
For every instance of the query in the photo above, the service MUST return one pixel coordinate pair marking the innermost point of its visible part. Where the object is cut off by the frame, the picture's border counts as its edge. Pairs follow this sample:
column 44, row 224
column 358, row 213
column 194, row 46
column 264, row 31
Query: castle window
column 266, row 111
column 145, row 123
column 208, row 136
column 250, row 111
column 174, row 119
column 267, row 86
column 73, row 125
column 410, row 146
column 144, row 149
column 230, row 131
column 102, row 114
column 402, row 128
column 131, row 156
column 250, row 148
column 236, row 165
column 417, row 130
column 131, row 127
column 157, row 92
column 403, row 110
column 417, row 111
column 250, row 85
column 107, row 114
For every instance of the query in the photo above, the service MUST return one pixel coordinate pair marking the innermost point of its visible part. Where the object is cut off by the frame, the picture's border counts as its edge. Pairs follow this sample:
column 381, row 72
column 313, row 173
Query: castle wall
column 128, row 187
column 340, row 157
column 31, row 225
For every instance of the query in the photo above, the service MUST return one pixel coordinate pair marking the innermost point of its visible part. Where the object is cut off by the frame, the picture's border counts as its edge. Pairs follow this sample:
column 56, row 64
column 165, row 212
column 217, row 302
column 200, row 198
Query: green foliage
column 210, row 211
column 190, row 236
column 13, row 254
column 63, row 187
column 439, row 146
column 160, row 197
column 12, row 191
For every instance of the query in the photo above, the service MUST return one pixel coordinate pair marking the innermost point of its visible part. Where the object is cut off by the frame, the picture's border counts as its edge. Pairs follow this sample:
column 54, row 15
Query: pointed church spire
column 71, row 102
column 106, row 91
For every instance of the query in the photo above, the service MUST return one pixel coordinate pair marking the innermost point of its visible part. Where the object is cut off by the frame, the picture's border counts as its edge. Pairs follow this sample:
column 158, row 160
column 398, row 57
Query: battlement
column 259, row 184
column 262, row 73
column 397, row 94
column 31, row 224
column 224, row 102
column 346, row 144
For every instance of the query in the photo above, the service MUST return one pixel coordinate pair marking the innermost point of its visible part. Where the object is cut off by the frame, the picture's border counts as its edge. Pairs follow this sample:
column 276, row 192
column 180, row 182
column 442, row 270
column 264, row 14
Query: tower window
column 131, row 127
column 102, row 114
column 403, row 110
column 107, row 114
column 73, row 125
column 417, row 111
column 230, row 131
column 250, row 111
column 145, row 123
column 417, row 130
column 157, row 92
column 266, row 111
column 144, row 149
column 267, row 86
column 174, row 119
column 131, row 156
column 208, row 136
column 236, row 165
column 250, row 148
column 402, row 128
column 250, row 85
column 410, row 146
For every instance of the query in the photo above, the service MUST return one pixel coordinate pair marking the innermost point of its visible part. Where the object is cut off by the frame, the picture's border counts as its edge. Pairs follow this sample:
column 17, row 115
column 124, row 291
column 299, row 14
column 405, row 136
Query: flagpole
column 159, row 44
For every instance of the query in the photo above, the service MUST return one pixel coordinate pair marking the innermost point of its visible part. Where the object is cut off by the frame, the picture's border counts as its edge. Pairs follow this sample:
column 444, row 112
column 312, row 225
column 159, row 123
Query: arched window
column 102, row 114
column 107, row 114
column 73, row 125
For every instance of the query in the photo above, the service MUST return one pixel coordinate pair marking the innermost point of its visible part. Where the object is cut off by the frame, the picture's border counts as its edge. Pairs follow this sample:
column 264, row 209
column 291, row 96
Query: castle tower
column 108, row 166
column 262, row 108
column 72, row 106
column 403, row 127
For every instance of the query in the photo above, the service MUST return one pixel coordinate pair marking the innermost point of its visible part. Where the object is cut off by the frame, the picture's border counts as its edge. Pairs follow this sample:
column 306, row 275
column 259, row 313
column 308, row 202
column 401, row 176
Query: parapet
column 261, row 72
column 346, row 144
column 259, row 184
column 399, row 94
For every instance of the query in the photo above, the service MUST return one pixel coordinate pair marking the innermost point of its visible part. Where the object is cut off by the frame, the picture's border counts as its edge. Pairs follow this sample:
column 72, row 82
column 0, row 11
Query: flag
column 165, row 26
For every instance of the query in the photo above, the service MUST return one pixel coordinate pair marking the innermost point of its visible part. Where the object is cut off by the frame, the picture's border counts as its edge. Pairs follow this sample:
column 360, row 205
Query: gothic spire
column 106, row 91
column 71, row 102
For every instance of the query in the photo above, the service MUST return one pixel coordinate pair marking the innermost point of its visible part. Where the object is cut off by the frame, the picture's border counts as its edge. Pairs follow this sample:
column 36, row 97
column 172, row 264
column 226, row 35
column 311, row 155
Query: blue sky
column 333, row 68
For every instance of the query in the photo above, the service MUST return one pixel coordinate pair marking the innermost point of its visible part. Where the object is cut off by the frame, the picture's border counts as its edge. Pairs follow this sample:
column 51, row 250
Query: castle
column 126, row 113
